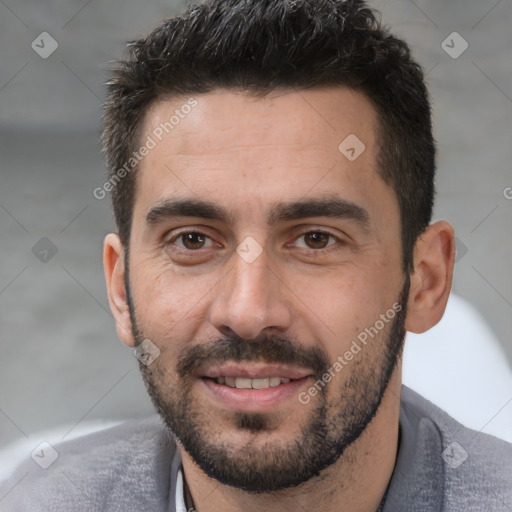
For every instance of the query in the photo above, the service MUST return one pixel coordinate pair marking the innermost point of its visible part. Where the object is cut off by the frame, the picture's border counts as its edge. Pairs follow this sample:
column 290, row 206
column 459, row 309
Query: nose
column 251, row 298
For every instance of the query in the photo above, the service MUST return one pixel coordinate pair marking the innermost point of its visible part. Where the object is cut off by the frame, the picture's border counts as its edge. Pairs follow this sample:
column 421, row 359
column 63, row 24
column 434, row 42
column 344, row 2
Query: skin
column 245, row 154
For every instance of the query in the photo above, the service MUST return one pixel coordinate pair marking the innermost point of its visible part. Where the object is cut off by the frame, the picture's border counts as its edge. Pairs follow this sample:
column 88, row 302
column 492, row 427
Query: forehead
column 233, row 147
column 224, row 119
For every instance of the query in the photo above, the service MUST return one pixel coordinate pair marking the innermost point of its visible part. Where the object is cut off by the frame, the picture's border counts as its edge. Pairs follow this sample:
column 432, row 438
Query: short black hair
column 256, row 46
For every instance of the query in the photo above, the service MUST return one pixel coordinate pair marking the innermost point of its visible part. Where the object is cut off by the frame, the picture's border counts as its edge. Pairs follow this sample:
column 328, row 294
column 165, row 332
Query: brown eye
column 316, row 239
column 317, row 242
column 191, row 240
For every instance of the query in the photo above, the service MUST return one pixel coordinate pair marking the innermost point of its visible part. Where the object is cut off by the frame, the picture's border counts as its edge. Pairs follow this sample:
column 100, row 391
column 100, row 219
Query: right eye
column 191, row 240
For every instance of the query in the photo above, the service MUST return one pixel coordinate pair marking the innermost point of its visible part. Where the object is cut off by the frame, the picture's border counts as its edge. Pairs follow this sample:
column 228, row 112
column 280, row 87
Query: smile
column 245, row 383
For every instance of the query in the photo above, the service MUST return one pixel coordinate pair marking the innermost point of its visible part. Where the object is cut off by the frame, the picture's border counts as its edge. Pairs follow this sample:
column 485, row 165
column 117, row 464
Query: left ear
column 431, row 281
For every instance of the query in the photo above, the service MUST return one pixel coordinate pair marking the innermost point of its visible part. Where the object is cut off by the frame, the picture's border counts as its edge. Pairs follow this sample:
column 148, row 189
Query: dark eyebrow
column 187, row 208
column 327, row 206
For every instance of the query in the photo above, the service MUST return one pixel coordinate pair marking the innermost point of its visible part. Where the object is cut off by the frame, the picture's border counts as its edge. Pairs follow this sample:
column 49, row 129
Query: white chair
column 460, row 366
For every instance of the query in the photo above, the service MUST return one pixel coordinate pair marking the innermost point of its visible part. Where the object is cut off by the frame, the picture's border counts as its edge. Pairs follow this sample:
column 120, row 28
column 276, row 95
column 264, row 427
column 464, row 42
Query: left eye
column 317, row 239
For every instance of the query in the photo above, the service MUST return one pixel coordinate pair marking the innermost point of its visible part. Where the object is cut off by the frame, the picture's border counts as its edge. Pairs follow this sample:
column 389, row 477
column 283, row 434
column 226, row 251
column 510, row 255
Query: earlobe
column 113, row 263
column 431, row 281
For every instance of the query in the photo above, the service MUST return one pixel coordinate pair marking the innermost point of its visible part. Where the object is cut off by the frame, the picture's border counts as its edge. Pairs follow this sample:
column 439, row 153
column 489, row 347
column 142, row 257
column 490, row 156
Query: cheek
column 170, row 306
column 343, row 303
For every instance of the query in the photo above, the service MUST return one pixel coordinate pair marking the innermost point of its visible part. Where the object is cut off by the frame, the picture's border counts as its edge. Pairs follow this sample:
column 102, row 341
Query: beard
column 262, row 465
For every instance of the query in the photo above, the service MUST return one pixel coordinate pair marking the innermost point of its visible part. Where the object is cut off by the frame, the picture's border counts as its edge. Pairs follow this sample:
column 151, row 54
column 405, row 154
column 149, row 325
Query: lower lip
column 253, row 400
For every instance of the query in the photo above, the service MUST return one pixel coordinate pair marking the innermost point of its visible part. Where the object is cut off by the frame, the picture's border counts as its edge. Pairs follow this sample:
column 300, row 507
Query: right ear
column 113, row 264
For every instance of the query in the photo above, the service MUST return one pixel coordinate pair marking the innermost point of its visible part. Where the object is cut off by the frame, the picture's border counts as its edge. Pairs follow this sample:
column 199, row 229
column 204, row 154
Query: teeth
column 260, row 383
column 274, row 381
column 244, row 383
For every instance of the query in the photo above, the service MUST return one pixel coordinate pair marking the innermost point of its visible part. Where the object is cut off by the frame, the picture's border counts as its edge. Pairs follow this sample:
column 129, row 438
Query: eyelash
column 337, row 239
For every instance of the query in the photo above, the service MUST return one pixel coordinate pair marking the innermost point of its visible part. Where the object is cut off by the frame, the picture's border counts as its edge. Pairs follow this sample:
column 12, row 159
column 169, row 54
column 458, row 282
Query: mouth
column 246, row 383
column 254, row 388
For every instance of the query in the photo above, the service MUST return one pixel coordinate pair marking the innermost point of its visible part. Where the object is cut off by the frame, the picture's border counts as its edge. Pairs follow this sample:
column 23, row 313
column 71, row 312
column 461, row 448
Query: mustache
column 269, row 349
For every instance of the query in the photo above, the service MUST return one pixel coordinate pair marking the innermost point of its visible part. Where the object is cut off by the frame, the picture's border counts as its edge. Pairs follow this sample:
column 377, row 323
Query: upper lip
column 252, row 371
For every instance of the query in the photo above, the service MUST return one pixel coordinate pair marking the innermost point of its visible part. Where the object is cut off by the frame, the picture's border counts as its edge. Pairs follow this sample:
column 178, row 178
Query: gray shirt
column 441, row 467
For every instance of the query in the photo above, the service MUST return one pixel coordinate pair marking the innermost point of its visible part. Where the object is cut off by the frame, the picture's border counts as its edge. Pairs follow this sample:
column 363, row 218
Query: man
column 271, row 164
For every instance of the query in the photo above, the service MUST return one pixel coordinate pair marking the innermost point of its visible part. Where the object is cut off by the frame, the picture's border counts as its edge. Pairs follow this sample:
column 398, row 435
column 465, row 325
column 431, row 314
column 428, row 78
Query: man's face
column 273, row 289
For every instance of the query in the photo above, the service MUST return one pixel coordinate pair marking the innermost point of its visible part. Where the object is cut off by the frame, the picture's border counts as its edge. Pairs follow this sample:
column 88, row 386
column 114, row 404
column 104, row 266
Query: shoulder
column 126, row 463
column 477, row 467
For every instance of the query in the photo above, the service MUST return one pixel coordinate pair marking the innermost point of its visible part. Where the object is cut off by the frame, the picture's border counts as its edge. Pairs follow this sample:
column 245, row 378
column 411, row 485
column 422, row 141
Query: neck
column 356, row 482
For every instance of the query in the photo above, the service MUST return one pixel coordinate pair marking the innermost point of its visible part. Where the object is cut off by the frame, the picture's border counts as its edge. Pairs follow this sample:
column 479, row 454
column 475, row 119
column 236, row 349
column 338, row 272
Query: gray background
column 61, row 361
